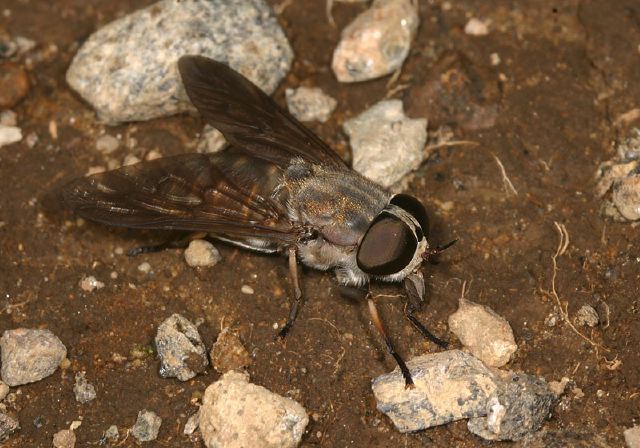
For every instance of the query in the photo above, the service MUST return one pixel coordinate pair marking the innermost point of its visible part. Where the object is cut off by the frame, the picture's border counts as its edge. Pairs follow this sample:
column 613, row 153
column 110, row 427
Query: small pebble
column 90, row 283
column 211, row 140
column 310, row 104
column 4, row 390
column 232, row 405
column 64, row 439
column 29, row 355
column 246, row 289
column 130, row 159
column 487, row 335
column 192, row 424
column 9, row 135
column 147, row 426
column 551, row 320
column 107, row 144
column 201, row 253
column 144, row 267
column 14, row 84
column 587, row 316
column 111, row 433
column 8, row 118
column 180, row 349
column 8, row 425
column 84, row 391
column 476, row 27
column 386, row 144
column 228, row 353
column 632, row 437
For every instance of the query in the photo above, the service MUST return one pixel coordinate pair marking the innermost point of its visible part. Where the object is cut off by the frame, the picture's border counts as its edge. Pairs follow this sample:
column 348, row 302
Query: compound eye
column 415, row 208
column 388, row 246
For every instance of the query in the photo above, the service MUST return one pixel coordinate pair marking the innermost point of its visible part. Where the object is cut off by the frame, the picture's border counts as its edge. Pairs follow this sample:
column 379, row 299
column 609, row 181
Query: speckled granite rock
column 127, row 70
column 520, row 407
column 377, row 42
column 449, row 386
column 180, row 349
column 310, row 104
column 386, row 144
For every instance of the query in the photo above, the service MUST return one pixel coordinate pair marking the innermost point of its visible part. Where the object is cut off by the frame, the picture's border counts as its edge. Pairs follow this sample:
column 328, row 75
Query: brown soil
column 548, row 111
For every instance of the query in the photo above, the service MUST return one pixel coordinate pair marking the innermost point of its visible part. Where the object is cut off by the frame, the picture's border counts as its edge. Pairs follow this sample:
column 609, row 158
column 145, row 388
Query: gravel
column 180, row 349
column 386, row 144
column 90, row 283
column 236, row 413
column 632, row 437
column 487, row 335
column 125, row 85
column 9, row 135
column 377, row 42
column 4, row 390
column 29, row 355
column 310, row 104
column 106, row 144
column 228, row 353
column 83, row 390
column 64, row 439
column 8, row 426
column 112, row 433
column 191, row 426
column 587, row 316
column 476, row 27
column 201, row 253
column 211, row 140
column 147, row 426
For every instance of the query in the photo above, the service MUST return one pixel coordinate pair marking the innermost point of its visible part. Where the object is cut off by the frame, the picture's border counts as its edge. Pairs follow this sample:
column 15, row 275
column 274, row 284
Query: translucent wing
column 249, row 118
column 225, row 193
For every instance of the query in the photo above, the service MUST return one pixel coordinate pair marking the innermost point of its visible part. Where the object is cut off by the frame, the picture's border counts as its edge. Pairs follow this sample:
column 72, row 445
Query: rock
column 112, row 433
column 106, row 144
column 90, row 283
column 180, row 348
column 629, row 148
column 246, row 289
column 4, row 390
column 201, row 253
column 476, row 27
column 236, row 413
column 9, row 135
column 144, row 267
column 310, row 104
column 587, row 316
column 16, row 46
column 386, row 144
column 211, row 140
column 632, row 437
column 377, row 42
column 14, row 84
column 8, row 118
column 127, row 70
column 562, row 439
column 520, row 407
column 192, row 424
column 29, row 355
column 449, row 386
column 84, row 391
column 8, row 425
column 147, row 426
column 559, row 387
column 228, row 353
column 484, row 333
column 64, row 439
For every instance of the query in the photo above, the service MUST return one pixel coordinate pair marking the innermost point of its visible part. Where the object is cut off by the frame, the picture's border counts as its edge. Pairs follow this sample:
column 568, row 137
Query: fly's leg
column 177, row 240
column 297, row 300
column 408, row 380
column 409, row 311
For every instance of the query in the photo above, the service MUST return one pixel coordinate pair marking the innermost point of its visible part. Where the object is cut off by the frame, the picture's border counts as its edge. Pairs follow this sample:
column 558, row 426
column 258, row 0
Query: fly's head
column 395, row 242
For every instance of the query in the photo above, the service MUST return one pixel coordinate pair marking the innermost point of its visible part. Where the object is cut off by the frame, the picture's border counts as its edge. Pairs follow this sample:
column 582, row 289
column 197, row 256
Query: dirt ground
column 548, row 110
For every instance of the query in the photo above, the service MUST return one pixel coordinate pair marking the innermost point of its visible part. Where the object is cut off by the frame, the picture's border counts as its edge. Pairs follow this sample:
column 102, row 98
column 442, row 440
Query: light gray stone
column 180, row 349
column 520, row 407
column 211, row 140
column 487, row 335
column 377, row 42
column 310, row 104
column 64, row 439
column 632, row 437
column 9, row 135
column 83, row 390
column 201, row 253
column 4, row 390
column 112, row 433
column 107, row 144
column 147, row 426
column 587, row 316
column 236, row 413
column 449, row 386
column 127, row 69
column 386, row 144
column 8, row 426
column 29, row 355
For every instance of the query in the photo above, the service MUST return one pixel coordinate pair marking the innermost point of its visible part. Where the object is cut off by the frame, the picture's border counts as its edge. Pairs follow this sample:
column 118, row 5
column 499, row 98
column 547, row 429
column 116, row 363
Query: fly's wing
column 225, row 193
column 248, row 117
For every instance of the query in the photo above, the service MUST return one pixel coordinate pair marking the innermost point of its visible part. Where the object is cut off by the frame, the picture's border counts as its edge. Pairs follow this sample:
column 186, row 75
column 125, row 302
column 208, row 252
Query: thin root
column 329, row 6
column 279, row 8
column 429, row 148
column 508, row 185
